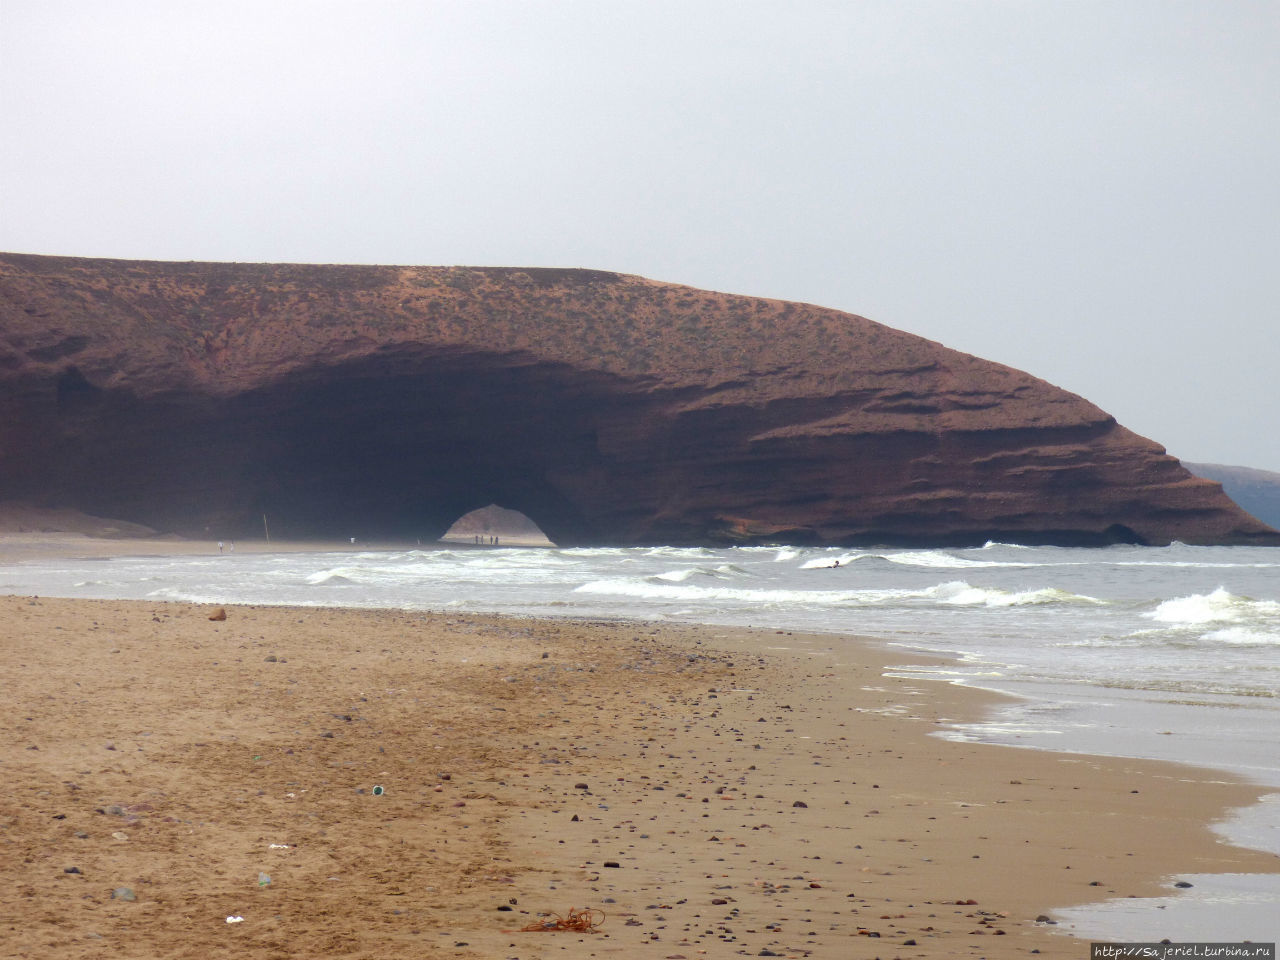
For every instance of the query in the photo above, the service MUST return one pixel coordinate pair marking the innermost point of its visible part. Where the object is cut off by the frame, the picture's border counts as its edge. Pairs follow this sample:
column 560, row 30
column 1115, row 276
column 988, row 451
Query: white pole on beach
column 264, row 528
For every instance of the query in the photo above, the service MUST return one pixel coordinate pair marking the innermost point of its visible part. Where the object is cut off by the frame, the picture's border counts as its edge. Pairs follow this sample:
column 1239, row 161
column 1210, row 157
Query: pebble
column 123, row 893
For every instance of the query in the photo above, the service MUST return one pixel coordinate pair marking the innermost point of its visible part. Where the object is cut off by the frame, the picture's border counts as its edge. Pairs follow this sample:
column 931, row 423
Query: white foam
column 685, row 592
column 336, row 575
column 677, row 576
column 1245, row 637
column 824, row 563
column 937, row 559
column 1221, row 606
column 960, row 593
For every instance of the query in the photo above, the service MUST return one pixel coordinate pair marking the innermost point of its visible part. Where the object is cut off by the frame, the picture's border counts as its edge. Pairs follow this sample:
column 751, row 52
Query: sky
column 1088, row 191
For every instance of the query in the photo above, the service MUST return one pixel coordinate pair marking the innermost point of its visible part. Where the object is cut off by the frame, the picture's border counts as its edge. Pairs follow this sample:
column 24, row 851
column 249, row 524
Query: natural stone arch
column 613, row 409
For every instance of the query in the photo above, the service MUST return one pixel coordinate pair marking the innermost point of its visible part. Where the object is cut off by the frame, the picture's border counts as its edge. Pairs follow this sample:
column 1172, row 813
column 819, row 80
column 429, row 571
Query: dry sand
column 714, row 792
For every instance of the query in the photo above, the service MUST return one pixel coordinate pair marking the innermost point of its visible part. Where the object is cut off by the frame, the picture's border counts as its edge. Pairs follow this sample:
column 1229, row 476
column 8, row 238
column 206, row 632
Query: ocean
column 1169, row 653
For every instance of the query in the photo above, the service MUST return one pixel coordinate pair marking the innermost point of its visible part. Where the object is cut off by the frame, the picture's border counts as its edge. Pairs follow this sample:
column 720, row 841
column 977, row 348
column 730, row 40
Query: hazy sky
column 1089, row 191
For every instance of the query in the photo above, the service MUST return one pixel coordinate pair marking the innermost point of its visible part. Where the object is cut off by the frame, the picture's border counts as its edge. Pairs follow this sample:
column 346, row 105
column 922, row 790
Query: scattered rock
column 219, row 614
column 800, row 803
column 123, row 893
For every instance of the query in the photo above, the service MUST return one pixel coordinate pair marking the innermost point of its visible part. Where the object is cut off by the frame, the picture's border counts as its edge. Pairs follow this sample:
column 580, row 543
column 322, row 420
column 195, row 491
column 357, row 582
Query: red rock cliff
column 609, row 408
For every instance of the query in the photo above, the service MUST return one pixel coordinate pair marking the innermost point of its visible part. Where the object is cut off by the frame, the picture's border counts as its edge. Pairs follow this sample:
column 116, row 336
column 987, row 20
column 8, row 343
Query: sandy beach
column 385, row 783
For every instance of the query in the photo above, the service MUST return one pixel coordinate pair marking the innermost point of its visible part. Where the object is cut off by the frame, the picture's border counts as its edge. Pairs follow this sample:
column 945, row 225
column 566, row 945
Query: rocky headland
column 1257, row 491
column 199, row 397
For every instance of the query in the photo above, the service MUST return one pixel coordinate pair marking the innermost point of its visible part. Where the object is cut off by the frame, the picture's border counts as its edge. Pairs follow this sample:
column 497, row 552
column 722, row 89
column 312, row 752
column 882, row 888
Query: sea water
column 1161, row 652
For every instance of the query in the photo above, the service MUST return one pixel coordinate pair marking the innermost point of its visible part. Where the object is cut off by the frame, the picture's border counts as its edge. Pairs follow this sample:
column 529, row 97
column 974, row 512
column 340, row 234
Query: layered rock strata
column 375, row 400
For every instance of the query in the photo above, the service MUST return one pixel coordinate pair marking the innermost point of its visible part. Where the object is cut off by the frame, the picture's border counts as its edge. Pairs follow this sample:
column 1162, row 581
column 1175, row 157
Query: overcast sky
column 1088, row 191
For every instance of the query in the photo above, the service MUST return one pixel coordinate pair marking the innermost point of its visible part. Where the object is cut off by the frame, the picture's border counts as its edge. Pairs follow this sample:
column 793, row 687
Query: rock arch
column 611, row 408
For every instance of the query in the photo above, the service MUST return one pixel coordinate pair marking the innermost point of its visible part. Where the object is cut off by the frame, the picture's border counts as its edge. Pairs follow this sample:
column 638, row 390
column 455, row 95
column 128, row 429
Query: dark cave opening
column 390, row 448
column 406, row 456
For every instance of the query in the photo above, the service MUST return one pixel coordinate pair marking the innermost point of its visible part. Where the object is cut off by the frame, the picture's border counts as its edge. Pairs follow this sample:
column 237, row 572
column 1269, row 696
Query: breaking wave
column 1220, row 606
column 953, row 593
column 960, row 593
column 939, row 559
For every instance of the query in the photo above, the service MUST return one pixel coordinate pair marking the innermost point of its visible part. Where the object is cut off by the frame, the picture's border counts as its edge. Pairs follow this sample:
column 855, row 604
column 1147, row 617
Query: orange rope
column 581, row 921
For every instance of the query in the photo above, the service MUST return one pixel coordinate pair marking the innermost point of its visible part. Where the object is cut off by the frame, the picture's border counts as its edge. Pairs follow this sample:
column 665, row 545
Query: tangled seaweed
column 580, row 921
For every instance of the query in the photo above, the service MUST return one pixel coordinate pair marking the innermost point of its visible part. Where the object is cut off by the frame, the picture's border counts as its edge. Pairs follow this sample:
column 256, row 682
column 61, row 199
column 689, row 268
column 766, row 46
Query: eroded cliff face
column 611, row 409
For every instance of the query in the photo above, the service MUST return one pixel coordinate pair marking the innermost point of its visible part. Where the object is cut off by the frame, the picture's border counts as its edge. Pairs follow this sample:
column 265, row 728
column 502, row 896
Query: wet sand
column 713, row 792
column 22, row 547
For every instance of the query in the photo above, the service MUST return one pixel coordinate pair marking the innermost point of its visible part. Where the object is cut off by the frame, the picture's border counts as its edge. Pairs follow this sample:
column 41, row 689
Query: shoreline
column 25, row 546
column 693, row 744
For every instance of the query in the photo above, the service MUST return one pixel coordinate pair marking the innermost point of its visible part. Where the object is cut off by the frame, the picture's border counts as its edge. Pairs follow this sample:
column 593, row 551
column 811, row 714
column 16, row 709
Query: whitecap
column 677, row 591
column 677, row 576
column 1219, row 606
column 824, row 563
column 1244, row 637
column 960, row 593
column 328, row 580
column 336, row 575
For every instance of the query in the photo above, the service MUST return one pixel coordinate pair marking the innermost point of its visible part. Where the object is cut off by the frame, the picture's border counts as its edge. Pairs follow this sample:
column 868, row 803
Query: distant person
column 219, row 546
